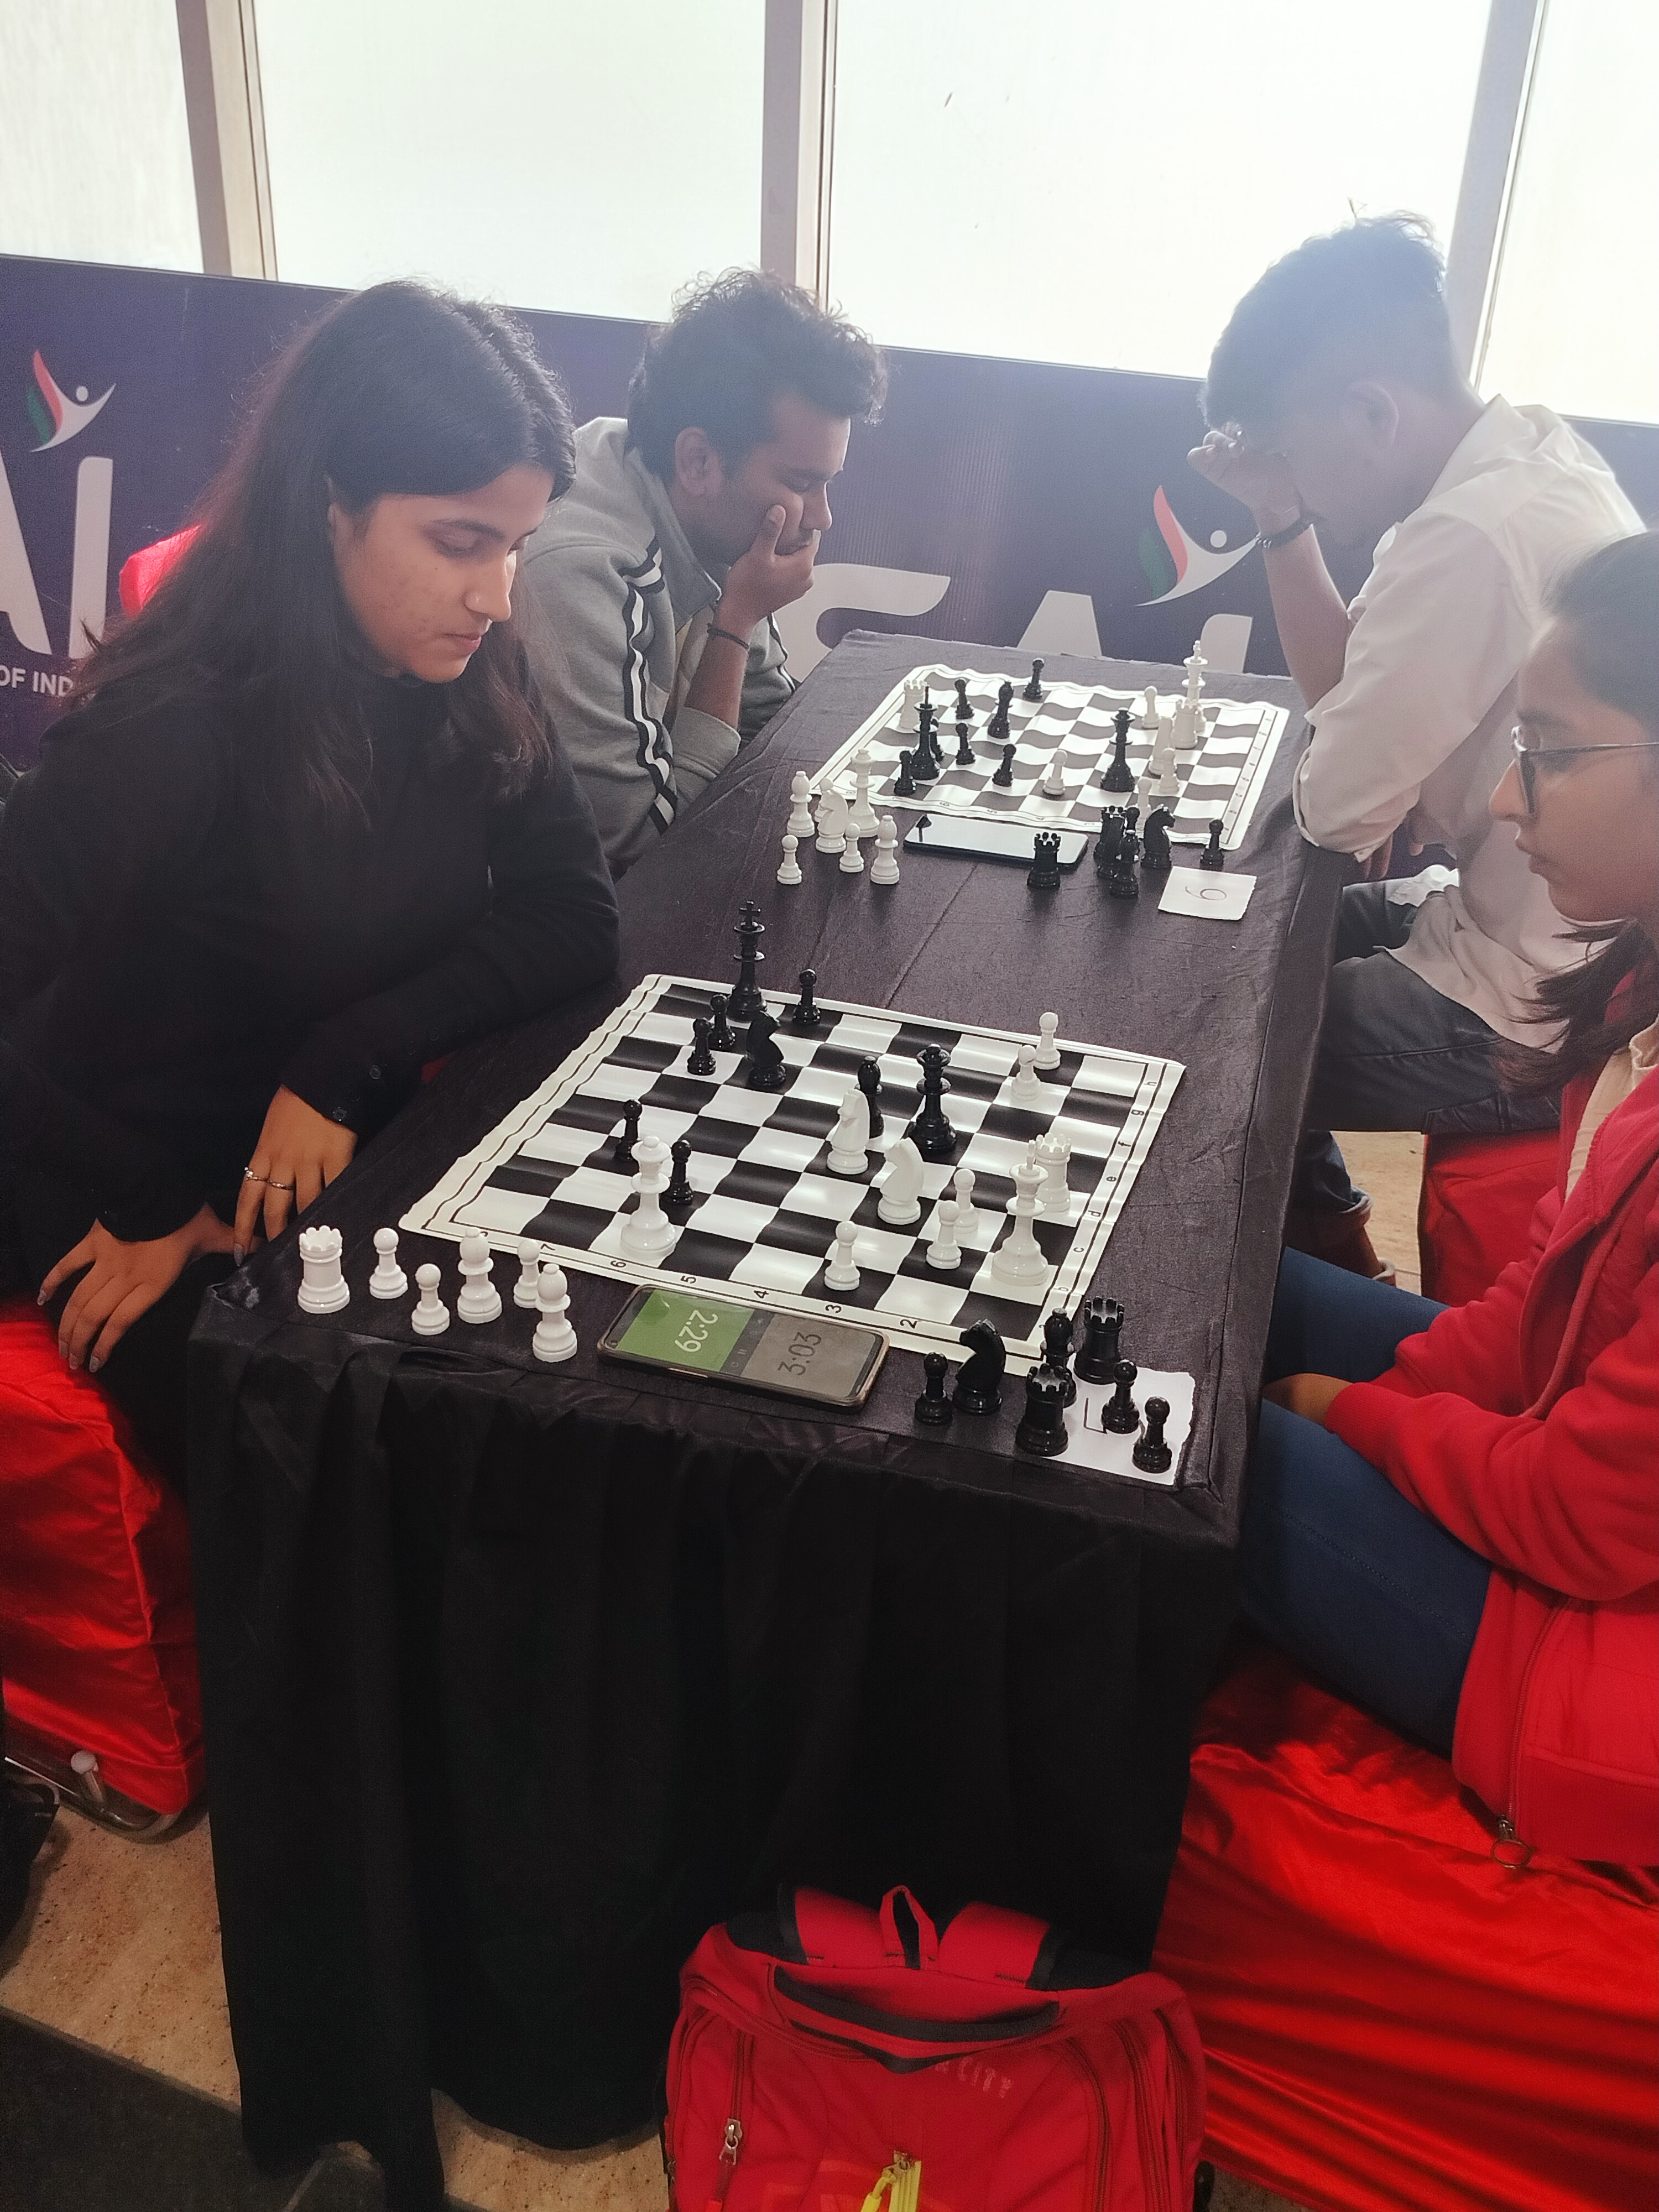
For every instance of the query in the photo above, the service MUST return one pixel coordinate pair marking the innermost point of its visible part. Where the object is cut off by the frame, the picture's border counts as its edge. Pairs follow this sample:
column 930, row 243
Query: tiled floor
column 119, row 1955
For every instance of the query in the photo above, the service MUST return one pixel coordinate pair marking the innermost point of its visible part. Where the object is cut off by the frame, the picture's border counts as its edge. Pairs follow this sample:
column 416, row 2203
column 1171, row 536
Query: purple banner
column 1001, row 503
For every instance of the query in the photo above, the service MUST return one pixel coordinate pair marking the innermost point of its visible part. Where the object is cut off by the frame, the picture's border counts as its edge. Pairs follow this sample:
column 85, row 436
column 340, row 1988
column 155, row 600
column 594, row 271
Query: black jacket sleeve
column 108, row 812
column 550, row 933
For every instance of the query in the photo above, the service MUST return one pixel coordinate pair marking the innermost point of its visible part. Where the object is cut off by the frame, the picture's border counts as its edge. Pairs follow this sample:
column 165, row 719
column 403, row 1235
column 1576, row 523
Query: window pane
column 584, row 157
column 1576, row 316
column 1098, row 180
column 94, row 150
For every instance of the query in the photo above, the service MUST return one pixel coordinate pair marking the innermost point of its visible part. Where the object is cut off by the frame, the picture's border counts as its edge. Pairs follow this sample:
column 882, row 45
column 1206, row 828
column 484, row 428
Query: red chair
column 97, row 1629
column 1475, row 1209
column 1393, row 2019
column 141, row 572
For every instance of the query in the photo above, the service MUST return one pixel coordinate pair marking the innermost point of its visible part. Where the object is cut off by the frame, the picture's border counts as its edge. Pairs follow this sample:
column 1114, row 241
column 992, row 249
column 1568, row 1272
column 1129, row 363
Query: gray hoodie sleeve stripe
column 654, row 751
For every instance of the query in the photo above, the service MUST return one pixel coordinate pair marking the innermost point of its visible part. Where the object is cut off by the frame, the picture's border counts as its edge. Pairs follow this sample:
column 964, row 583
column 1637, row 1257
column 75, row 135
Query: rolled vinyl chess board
column 1220, row 778
column 768, row 1206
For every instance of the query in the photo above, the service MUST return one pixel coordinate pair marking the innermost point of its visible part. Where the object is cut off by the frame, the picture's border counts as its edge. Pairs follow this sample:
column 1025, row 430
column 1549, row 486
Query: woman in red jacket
column 1453, row 1512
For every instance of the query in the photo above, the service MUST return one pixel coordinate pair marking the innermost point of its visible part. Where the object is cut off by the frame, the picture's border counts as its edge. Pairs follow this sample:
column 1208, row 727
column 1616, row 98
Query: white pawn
column 1047, row 1052
column 944, row 1253
column 530, row 1263
column 555, row 1339
column 885, row 868
column 840, row 1273
column 1054, row 779
column 852, row 861
column 789, row 866
column 832, row 820
column 324, row 1289
column 1147, row 718
column 388, row 1280
column 1028, row 1089
column 900, row 1202
column 862, row 820
column 963, row 1183
column 479, row 1301
column 800, row 823
column 431, row 1316
column 847, row 1138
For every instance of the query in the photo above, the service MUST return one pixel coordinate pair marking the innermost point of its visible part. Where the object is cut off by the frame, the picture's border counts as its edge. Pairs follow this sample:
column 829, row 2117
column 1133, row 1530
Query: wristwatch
column 1272, row 544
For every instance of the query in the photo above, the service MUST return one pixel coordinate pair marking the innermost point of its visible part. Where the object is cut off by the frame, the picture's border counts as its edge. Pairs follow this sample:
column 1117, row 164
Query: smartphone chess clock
column 830, row 1363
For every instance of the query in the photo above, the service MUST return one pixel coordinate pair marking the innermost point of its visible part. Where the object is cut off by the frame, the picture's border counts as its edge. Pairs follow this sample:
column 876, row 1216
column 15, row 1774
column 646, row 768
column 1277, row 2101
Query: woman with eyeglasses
column 305, row 828
column 1454, row 1511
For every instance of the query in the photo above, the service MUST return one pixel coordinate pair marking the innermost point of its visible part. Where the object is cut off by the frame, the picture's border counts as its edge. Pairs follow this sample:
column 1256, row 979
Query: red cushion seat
column 97, row 1630
column 1476, row 1208
column 1393, row 2021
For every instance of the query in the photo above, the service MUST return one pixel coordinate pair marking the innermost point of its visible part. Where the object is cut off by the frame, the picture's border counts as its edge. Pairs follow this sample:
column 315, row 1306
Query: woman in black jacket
column 304, row 827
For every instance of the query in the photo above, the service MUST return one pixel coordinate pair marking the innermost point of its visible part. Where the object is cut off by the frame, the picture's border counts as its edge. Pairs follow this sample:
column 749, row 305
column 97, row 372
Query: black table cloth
column 516, row 1678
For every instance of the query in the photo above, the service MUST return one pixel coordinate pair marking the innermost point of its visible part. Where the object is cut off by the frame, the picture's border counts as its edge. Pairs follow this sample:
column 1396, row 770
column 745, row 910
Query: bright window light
column 1575, row 317
column 94, row 149
column 588, row 158
column 1098, row 180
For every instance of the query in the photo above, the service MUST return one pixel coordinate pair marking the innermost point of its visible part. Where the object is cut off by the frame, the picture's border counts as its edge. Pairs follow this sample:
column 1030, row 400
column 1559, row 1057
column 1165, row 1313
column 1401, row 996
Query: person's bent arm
column 551, row 932
column 1310, row 612
column 756, row 585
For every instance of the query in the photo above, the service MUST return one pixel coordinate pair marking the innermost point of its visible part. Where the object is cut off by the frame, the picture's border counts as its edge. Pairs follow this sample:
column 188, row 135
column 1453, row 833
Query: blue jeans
column 1395, row 1054
column 1339, row 1569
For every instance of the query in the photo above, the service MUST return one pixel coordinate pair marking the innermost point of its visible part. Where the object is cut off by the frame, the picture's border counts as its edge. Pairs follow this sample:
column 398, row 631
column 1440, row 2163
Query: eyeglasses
column 1527, row 758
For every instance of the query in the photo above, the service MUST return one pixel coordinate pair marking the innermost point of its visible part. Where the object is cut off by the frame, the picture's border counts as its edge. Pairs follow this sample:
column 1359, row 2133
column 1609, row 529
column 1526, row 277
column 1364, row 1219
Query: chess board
column 1221, row 779
column 767, row 1205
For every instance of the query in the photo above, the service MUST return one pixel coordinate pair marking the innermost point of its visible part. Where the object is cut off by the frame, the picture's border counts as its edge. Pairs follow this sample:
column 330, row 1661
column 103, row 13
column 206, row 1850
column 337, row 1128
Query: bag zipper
column 1158, row 2174
column 732, row 2143
column 1080, row 2066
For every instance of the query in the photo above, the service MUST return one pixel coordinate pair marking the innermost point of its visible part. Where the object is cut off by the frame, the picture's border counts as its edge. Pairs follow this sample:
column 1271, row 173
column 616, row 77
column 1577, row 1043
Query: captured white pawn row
column 541, row 1284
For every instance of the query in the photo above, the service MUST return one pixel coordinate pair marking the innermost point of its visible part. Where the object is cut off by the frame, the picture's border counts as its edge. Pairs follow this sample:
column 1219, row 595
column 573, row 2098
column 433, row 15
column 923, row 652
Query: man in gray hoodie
column 657, row 575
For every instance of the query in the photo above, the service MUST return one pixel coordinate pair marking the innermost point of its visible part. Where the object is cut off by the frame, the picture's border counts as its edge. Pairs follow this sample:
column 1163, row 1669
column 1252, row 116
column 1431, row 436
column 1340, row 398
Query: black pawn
column 964, row 712
column 701, row 1060
column 622, row 1152
column 1210, row 857
column 1057, row 1352
column 1004, row 777
column 1151, row 1455
column 1043, row 1426
column 964, row 750
column 1098, row 1355
column 1043, row 874
column 1119, row 1414
column 804, row 1014
column 679, row 1197
column 905, row 783
column 1125, row 881
column 1120, row 776
column 720, row 1038
column 1034, row 688
column 934, row 1409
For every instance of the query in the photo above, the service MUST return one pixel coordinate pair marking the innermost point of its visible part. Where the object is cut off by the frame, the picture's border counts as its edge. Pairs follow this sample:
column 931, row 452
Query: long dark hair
column 1608, row 604
column 397, row 389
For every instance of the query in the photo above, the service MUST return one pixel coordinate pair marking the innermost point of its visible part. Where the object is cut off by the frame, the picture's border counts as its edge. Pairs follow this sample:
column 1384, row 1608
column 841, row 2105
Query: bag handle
column 833, row 1932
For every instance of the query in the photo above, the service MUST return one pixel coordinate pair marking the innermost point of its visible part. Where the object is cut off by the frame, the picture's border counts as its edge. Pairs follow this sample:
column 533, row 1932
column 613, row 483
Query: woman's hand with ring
column 298, row 1151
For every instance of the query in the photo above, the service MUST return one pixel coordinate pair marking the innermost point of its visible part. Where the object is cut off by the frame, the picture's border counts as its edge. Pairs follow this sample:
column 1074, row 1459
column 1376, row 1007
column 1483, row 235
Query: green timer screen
column 798, row 1354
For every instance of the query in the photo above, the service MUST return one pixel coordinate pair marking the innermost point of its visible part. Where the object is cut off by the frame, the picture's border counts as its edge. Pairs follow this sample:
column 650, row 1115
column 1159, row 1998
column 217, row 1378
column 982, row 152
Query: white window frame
column 219, row 43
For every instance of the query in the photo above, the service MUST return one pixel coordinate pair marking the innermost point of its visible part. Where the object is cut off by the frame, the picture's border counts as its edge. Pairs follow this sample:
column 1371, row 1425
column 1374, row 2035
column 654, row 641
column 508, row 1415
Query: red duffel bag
column 828, row 2058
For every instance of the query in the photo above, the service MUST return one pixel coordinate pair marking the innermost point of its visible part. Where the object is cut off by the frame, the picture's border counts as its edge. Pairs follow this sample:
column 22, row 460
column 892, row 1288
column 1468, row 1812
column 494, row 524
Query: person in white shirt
column 1338, row 409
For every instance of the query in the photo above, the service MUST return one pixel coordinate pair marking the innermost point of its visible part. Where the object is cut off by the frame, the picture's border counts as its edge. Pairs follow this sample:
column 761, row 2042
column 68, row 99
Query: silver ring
column 248, row 1176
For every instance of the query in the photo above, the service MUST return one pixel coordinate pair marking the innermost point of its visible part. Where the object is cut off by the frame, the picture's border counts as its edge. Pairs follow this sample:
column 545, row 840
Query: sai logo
column 59, row 418
column 1174, row 563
